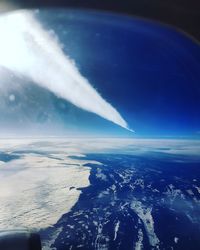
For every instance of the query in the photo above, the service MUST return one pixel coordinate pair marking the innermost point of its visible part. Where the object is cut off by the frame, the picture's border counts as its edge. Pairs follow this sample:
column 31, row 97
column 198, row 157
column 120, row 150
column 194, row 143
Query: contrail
column 28, row 49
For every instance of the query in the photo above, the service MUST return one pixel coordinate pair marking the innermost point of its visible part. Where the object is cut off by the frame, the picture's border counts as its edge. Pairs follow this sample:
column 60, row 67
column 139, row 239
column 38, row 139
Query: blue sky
column 150, row 73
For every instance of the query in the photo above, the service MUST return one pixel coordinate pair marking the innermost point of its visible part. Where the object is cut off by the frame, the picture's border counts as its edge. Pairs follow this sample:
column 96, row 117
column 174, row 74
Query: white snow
column 144, row 213
column 176, row 239
column 139, row 244
column 35, row 189
column 116, row 229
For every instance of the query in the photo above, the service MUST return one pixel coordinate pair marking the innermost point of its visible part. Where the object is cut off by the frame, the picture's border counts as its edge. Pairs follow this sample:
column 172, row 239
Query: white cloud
column 37, row 188
column 28, row 49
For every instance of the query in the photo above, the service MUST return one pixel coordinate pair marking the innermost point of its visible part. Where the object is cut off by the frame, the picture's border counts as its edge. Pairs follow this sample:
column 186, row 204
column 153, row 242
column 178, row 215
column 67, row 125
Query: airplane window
column 100, row 130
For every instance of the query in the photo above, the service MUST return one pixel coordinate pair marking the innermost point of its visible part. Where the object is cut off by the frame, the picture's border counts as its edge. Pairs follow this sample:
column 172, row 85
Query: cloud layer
column 28, row 49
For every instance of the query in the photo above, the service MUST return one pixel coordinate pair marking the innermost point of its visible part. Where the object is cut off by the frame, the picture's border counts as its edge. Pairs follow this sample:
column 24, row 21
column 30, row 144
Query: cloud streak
column 28, row 49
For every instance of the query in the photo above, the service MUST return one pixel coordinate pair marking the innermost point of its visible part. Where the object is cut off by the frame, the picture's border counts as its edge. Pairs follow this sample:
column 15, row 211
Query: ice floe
column 144, row 213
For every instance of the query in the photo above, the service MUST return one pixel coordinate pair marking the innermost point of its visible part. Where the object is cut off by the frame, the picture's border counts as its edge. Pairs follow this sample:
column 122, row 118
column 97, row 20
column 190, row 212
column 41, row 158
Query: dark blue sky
column 149, row 72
